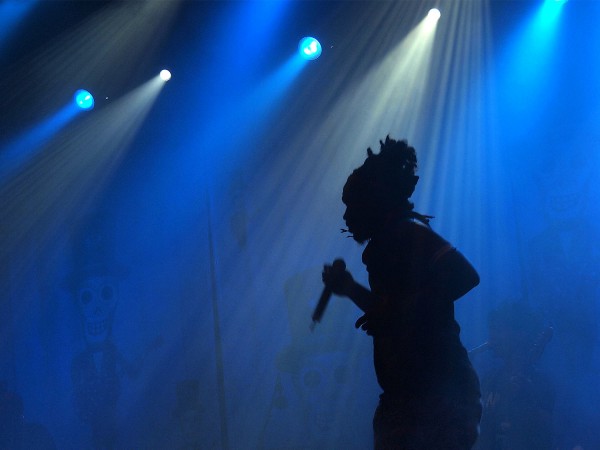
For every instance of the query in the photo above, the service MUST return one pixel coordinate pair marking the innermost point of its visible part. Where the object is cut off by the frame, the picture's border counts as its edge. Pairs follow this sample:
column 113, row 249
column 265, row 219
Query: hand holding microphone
column 336, row 278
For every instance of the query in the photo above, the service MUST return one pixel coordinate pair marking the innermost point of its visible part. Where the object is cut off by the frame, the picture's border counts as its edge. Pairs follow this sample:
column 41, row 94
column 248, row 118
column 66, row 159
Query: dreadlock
column 387, row 179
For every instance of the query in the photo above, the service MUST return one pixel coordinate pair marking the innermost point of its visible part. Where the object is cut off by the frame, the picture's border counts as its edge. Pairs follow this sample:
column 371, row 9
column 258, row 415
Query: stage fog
column 161, row 253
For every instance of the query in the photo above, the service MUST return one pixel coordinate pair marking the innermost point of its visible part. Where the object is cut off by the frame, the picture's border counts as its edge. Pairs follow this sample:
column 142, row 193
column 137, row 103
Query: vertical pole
column 217, row 335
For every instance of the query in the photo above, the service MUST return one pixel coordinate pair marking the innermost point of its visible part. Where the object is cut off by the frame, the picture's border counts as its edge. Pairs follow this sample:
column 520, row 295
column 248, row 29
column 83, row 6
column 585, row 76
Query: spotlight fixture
column 309, row 48
column 434, row 14
column 83, row 99
column 165, row 75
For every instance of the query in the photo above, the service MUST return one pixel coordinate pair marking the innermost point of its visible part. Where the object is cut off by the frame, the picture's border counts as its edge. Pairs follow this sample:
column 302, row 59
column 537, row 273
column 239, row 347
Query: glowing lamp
column 83, row 99
column 434, row 14
column 165, row 75
column 309, row 48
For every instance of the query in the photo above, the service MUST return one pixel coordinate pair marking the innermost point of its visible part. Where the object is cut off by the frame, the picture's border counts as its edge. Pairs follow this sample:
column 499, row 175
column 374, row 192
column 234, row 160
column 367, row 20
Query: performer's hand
column 363, row 322
column 338, row 279
column 375, row 322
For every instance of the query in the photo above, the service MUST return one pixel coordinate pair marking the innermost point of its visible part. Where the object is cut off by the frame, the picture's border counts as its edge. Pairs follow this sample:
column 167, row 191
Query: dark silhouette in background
column 15, row 432
column 431, row 397
column 518, row 398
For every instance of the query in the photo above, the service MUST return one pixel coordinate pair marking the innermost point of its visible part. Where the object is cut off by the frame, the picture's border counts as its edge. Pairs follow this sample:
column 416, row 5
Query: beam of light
column 381, row 85
column 238, row 97
column 549, row 13
column 537, row 37
column 121, row 34
column 527, row 63
column 309, row 48
column 276, row 84
column 252, row 114
column 312, row 145
column 310, row 163
column 17, row 153
column 45, row 201
column 460, row 162
column 437, row 104
column 244, row 25
column 390, row 94
column 372, row 106
column 238, row 103
column 72, row 171
column 245, row 102
column 12, row 13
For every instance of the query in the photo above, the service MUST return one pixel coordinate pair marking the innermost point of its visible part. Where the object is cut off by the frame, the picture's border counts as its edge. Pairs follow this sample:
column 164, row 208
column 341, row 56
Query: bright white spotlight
column 309, row 48
column 165, row 75
column 83, row 99
column 434, row 14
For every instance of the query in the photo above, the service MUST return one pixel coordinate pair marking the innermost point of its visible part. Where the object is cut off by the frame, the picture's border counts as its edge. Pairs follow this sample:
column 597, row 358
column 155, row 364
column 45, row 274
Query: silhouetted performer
column 518, row 399
column 431, row 398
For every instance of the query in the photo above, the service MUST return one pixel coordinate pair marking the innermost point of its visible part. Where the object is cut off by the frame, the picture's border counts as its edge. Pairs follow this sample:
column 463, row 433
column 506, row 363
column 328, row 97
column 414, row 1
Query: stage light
column 309, row 48
column 83, row 99
column 165, row 75
column 550, row 10
column 434, row 15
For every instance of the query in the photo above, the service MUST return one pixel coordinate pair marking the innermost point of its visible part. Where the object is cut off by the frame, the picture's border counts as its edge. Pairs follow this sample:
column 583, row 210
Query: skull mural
column 97, row 301
column 567, row 248
column 94, row 279
column 96, row 370
column 564, row 257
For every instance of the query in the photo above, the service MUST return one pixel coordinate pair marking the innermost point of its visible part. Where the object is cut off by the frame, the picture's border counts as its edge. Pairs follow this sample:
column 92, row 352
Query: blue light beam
column 12, row 13
column 22, row 149
column 529, row 60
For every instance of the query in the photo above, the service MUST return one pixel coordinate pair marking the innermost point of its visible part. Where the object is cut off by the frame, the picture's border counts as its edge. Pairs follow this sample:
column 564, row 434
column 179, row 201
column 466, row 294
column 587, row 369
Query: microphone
column 479, row 349
column 338, row 266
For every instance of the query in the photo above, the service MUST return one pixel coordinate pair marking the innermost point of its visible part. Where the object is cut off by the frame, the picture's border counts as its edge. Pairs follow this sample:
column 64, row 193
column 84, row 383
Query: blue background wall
column 217, row 197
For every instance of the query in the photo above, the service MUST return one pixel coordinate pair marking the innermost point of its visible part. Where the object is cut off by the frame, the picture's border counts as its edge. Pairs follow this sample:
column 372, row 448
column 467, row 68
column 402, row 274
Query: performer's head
column 381, row 186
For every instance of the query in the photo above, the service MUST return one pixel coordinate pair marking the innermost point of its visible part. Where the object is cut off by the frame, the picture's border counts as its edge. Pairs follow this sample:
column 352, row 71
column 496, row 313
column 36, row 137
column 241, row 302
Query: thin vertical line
column 217, row 335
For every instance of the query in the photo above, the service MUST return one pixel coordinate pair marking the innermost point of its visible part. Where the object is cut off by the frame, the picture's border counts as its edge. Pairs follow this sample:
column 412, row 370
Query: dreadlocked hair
column 386, row 179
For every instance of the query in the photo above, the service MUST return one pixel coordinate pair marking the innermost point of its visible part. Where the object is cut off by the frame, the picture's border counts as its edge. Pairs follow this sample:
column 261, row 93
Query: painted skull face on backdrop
column 95, row 278
column 97, row 300
column 564, row 182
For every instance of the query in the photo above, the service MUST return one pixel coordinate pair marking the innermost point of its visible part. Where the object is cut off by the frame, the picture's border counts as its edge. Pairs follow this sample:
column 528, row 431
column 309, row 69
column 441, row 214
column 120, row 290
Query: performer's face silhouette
column 362, row 215
column 361, row 220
